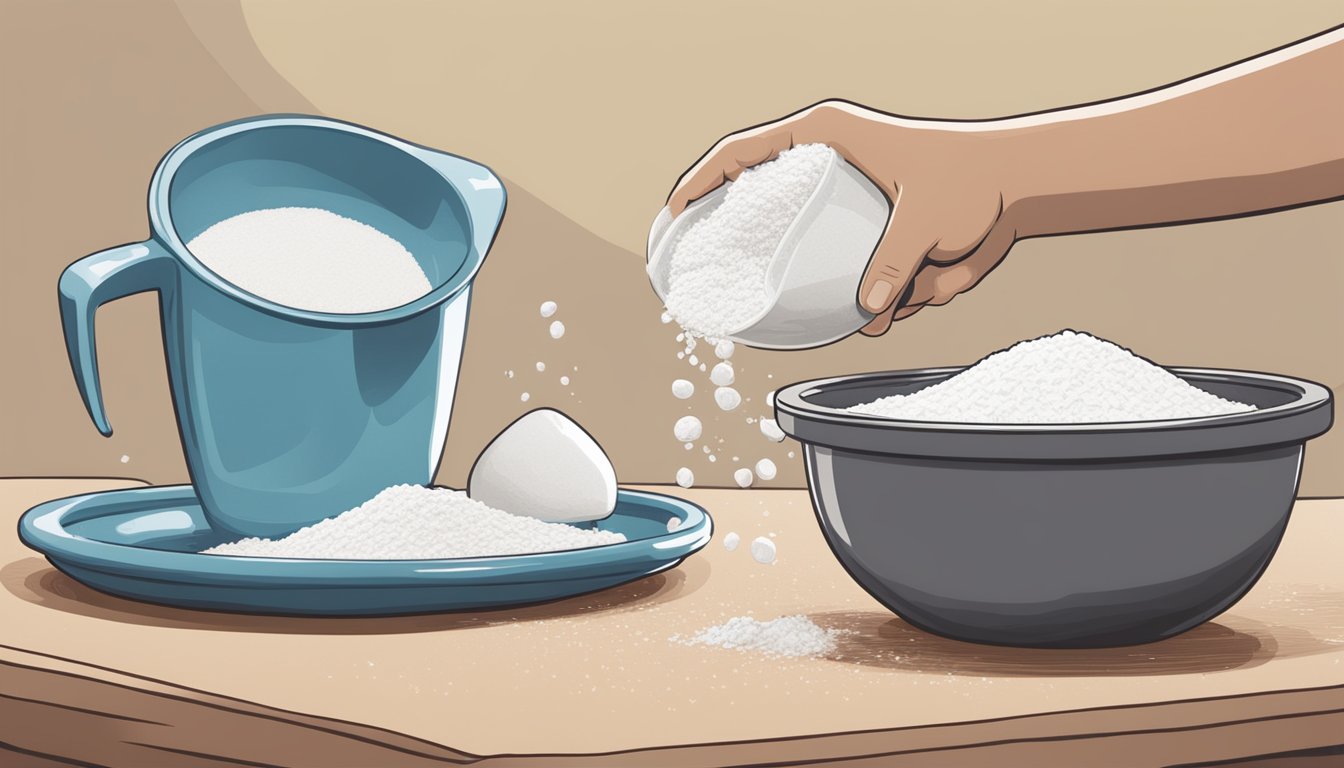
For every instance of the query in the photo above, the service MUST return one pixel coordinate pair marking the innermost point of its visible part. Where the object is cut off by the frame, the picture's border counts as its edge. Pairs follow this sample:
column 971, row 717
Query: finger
column 937, row 285
column 877, row 326
column 892, row 268
column 968, row 274
column 906, row 311
column 726, row 161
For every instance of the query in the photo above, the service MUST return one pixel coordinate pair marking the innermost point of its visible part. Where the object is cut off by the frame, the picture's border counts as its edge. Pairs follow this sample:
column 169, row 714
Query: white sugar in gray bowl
column 1067, row 378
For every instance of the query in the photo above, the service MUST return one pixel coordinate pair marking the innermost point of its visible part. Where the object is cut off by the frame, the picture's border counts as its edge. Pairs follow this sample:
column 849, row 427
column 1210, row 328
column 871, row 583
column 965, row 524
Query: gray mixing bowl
column 1068, row 536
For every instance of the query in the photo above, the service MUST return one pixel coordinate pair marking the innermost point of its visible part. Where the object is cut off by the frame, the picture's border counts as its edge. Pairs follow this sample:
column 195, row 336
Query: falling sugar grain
column 682, row 389
column 722, row 374
column 685, row 477
column 687, row 428
column 763, row 550
column 727, row 398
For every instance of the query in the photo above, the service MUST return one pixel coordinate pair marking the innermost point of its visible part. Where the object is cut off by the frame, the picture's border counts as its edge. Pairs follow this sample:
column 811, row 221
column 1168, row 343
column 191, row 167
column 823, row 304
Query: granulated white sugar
column 557, row 329
column 731, row 541
column 763, row 550
column 687, row 428
column 716, row 276
column 313, row 259
column 770, row 429
column 1067, row 378
column 548, row 308
column 685, row 477
column 682, row 389
column 727, row 398
column 765, row 469
column 796, row 636
column 724, row 349
column 412, row 522
column 721, row 374
column 742, row 476
column 541, row 367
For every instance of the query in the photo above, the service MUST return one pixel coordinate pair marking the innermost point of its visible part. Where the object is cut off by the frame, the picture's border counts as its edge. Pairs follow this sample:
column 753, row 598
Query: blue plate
column 143, row 543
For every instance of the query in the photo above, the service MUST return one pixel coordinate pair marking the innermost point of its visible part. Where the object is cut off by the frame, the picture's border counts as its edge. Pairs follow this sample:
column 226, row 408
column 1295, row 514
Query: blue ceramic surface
column 143, row 543
column 286, row 414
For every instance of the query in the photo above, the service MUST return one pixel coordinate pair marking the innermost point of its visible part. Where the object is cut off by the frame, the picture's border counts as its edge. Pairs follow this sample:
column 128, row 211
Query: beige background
column 590, row 111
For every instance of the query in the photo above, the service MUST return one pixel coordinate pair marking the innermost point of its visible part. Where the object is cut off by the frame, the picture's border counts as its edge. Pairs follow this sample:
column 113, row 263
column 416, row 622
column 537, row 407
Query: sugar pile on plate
column 412, row 522
column 795, row 636
column 1067, row 378
column 312, row 259
column 716, row 277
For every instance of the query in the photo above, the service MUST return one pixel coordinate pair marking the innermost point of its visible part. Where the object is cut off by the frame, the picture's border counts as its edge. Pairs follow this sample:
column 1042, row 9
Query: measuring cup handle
column 88, row 284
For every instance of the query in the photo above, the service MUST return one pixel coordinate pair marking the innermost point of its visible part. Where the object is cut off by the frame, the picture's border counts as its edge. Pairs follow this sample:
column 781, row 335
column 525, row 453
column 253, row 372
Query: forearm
column 1262, row 135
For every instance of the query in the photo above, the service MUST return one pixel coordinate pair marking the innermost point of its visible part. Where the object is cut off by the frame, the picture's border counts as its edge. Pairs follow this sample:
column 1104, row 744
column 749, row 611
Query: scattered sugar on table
column 742, row 477
column 311, row 259
column 548, row 308
column 788, row 636
column 731, row 541
column 1067, row 378
column 557, row 329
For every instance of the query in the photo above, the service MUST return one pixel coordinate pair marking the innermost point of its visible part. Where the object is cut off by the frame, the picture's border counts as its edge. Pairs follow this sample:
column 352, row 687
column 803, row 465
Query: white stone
column 546, row 467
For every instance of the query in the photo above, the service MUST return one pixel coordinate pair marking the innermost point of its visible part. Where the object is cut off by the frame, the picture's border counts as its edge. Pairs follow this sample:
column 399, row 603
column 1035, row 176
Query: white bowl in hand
column 813, row 277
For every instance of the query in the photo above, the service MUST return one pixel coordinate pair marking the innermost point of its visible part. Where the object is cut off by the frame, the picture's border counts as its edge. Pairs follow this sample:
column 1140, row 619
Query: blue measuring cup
column 289, row 416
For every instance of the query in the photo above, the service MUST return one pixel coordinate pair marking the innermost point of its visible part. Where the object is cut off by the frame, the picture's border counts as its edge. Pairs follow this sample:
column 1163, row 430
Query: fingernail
column 878, row 296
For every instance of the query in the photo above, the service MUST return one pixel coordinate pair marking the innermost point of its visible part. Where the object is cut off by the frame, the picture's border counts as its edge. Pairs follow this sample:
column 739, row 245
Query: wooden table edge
column 70, row 711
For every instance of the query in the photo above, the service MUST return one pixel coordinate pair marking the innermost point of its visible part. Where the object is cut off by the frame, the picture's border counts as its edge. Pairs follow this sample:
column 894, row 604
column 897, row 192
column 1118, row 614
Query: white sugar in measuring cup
column 813, row 278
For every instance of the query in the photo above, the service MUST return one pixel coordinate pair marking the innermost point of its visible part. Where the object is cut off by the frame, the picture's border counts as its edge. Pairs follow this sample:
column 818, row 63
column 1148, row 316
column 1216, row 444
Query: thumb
column 891, row 271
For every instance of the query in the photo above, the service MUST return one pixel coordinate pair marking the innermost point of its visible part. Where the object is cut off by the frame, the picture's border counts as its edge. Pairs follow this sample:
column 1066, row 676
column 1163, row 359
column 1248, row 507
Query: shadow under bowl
column 1068, row 536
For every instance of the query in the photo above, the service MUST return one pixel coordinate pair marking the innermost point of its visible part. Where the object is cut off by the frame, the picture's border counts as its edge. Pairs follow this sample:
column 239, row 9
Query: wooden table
column 597, row 681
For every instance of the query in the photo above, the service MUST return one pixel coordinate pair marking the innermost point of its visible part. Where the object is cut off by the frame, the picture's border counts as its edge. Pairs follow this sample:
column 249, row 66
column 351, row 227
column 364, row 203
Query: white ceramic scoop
column 813, row 278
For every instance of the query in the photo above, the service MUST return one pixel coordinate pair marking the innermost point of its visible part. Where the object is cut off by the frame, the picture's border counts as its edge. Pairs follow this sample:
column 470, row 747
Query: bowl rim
column 1308, row 415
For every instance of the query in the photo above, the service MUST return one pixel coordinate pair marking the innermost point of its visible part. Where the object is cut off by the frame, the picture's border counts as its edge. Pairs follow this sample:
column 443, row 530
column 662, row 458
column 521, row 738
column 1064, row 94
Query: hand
column 947, row 227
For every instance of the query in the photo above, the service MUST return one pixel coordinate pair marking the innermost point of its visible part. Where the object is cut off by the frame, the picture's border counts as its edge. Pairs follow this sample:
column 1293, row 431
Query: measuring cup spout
column 480, row 188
